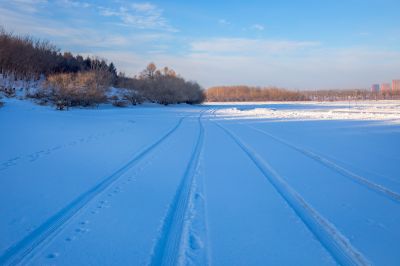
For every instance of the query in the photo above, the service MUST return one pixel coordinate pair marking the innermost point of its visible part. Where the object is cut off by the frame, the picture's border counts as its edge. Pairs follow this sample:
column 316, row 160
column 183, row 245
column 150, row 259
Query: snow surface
column 223, row 184
column 373, row 110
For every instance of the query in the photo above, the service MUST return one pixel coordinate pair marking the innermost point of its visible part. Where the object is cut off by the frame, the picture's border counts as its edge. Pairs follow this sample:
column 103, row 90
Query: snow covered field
column 222, row 184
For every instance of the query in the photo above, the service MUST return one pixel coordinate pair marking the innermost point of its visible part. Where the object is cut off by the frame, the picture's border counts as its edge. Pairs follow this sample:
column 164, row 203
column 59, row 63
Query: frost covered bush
column 133, row 97
column 77, row 89
column 120, row 103
column 8, row 91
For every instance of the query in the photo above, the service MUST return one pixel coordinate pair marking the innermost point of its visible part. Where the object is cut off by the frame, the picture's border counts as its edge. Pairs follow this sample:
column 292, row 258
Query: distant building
column 385, row 87
column 375, row 88
column 396, row 85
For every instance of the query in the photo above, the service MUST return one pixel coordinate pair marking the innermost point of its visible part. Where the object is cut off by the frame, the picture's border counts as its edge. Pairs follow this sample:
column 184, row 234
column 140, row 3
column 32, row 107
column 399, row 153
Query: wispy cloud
column 75, row 4
column 224, row 22
column 257, row 27
column 28, row 6
column 248, row 46
column 139, row 15
column 144, row 7
column 77, row 39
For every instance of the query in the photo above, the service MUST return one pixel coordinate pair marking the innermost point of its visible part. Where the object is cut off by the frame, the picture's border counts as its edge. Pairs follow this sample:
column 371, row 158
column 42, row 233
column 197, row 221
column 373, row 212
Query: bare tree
column 162, row 86
column 149, row 72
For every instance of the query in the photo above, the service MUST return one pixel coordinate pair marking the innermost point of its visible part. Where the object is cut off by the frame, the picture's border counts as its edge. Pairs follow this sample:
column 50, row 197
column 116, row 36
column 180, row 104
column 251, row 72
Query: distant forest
column 256, row 94
column 251, row 94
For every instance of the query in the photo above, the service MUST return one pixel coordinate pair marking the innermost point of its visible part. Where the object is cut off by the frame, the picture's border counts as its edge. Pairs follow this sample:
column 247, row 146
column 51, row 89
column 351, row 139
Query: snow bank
column 379, row 110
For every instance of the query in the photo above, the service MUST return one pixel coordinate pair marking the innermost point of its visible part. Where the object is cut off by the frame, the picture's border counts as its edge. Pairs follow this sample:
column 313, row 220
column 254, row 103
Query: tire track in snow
column 20, row 250
column 195, row 249
column 328, row 235
column 105, row 200
column 337, row 168
column 168, row 248
column 195, row 237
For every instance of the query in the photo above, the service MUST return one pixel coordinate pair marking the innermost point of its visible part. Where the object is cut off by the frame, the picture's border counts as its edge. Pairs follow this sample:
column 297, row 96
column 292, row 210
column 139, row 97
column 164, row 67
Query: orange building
column 396, row 85
column 385, row 87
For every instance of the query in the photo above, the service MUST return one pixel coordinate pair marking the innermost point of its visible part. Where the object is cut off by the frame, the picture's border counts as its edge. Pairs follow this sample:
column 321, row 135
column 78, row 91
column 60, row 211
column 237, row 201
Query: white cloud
column 75, row 4
column 77, row 39
column 28, row 6
column 258, row 27
column 248, row 46
column 224, row 22
column 144, row 7
column 29, row 2
column 322, row 68
column 141, row 16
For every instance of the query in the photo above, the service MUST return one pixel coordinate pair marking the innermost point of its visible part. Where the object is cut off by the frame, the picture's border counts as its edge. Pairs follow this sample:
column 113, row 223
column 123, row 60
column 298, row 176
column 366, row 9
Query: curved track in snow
column 16, row 253
column 335, row 167
column 329, row 236
column 167, row 250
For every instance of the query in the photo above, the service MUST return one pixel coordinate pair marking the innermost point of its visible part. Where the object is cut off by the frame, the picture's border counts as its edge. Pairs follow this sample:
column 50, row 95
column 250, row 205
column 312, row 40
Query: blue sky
column 304, row 44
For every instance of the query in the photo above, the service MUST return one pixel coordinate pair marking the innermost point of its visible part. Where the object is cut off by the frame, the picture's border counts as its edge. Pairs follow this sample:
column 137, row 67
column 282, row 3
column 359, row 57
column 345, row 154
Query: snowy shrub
column 8, row 91
column 43, row 102
column 38, row 94
column 133, row 97
column 113, row 98
column 78, row 89
column 120, row 103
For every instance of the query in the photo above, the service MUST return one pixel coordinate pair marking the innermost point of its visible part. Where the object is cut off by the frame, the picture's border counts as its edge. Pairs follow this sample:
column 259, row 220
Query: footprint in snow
column 35, row 156
column 53, row 255
column 82, row 230
column 71, row 238
column 9, row 163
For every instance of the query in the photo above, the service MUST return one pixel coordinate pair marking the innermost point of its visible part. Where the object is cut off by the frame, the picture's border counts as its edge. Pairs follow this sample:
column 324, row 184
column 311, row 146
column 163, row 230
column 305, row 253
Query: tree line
column 254, row 94
column 350, row 94
column 24, row 57
column 72, row 80
column 251, row 94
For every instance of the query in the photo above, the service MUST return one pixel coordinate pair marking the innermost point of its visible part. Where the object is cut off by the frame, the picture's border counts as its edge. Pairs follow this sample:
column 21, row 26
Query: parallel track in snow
column 337, row 168
column 167, row 250
column 330, row 237
column 16, row 253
